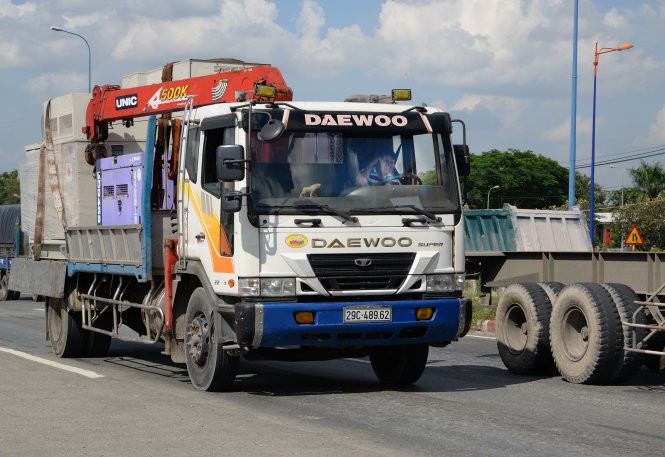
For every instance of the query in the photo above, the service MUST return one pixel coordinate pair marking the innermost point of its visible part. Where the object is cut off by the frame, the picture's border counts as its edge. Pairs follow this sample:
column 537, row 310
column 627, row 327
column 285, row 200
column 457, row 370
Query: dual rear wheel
column 576, row 330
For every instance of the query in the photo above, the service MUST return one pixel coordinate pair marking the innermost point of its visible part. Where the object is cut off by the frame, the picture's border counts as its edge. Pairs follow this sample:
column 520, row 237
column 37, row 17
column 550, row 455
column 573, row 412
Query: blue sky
column 504, row 66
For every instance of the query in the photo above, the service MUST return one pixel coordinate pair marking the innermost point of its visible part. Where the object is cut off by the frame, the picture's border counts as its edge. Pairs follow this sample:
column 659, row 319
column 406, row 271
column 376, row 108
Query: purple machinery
column 120, row 190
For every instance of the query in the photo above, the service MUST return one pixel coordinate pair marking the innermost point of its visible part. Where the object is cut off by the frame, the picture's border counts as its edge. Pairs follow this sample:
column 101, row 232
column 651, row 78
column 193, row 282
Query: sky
column 502, row 66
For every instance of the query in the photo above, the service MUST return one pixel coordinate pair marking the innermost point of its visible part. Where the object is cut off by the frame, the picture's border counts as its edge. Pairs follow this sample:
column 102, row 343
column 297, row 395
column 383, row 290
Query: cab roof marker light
column 401, row 95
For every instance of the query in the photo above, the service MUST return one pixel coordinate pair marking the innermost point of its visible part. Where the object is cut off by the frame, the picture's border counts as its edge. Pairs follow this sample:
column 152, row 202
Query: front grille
column 341, row 272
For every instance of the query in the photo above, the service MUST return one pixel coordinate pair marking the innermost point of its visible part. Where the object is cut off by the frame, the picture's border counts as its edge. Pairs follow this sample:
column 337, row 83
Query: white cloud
column 311, row 19
column 657, row 129
column 508, row 110
column 493, row 42
column 13, row 11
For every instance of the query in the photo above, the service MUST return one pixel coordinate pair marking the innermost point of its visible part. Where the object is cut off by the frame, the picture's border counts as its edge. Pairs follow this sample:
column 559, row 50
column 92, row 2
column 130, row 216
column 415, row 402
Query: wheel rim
column 515, row 330
column 575, row 334
column 199, row 339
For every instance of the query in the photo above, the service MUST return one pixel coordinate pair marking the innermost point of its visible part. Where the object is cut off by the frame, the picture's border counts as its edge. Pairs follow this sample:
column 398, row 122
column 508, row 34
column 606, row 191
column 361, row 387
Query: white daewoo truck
column 245, row 224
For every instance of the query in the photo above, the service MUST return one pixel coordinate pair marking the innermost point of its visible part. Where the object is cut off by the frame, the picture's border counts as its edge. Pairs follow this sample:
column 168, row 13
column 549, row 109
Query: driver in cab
column 379, row 171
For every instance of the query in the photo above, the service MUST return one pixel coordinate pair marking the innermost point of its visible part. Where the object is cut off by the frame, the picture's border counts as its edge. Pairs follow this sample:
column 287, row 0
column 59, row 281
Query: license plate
column 354, row 314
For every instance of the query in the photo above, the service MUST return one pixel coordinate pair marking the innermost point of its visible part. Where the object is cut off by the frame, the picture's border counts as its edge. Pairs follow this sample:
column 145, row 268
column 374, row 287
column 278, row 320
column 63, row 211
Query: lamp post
column 488, row 195
column 60, row 29
column 597, row 53
column 573, row 117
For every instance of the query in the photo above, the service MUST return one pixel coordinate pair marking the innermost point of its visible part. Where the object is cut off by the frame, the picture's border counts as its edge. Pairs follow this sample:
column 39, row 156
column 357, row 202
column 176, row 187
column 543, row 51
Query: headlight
column 278, row 287
column 267, row 287
column 445, row 283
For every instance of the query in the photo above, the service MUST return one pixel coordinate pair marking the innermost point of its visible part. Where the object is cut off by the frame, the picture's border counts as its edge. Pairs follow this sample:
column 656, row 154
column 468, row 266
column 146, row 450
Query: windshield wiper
column 312, row 204
column 429, row 215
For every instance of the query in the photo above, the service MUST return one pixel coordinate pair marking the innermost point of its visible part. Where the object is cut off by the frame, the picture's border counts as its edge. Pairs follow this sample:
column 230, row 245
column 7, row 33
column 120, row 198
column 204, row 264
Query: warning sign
column 634, row 237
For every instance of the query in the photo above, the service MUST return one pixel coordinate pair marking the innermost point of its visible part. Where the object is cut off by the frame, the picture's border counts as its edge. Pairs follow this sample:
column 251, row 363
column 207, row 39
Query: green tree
column 9, row 188
column 525, row 180
column 649, row 179
column 647, row 216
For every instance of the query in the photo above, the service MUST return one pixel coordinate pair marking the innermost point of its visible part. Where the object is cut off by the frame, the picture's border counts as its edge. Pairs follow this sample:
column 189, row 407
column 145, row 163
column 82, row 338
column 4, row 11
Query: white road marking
column 482, row 337
column 50, row 363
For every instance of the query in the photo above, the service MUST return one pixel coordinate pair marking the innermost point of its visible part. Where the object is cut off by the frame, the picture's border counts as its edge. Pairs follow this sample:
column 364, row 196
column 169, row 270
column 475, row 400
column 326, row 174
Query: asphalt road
column 135, row 402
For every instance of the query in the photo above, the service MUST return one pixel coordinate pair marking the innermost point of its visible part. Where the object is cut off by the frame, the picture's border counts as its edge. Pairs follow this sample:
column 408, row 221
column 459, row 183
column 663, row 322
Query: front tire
column 64, row 329
column 522, row 329
column 585, row 334
column 4, row 289
column 210, row 368
column 399, row 365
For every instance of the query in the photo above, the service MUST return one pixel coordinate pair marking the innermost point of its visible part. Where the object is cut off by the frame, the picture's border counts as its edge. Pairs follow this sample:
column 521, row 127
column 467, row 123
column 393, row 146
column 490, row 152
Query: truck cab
column 326, row 229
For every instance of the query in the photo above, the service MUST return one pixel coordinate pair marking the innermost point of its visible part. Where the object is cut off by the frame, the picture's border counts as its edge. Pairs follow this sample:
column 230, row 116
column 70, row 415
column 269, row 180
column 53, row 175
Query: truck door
column 209, row 233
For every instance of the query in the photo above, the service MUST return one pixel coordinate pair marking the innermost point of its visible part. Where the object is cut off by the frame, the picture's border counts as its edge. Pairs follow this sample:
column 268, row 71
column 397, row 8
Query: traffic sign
column 634, row 237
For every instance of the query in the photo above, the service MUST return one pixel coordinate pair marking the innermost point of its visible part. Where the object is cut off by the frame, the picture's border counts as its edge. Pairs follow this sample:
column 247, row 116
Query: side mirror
column 231, row 201
column 230, row 162
column 463, row 159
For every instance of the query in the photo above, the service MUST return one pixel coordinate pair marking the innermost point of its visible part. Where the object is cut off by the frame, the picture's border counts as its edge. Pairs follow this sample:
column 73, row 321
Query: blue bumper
column 271, row 325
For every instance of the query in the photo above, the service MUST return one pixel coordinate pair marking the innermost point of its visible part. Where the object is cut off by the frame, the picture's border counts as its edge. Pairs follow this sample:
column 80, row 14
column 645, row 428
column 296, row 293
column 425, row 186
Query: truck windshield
column 391, row 163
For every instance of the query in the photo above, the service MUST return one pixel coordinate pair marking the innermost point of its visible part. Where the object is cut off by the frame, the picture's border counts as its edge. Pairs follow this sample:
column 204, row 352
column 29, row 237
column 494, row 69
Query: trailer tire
column 64, row 329
column 585, row 334
column 624, row 300
column 210, row 368
column 552, row 289
column 399, row 365
column 522, row 329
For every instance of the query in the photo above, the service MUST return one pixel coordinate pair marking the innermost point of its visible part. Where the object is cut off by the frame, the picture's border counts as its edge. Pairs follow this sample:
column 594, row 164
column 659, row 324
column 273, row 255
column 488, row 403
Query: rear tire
column 624, row 299
column 399, row 365
column 64, row 329
column 552, row 289
column 97, row 344
column 522, row 329
column 210, row 368
column 585, row 334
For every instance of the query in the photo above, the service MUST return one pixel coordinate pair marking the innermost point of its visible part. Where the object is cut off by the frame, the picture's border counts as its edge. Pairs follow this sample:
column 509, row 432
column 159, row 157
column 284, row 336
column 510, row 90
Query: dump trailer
column 10, row 247
column 593, row 316
column 216, row 215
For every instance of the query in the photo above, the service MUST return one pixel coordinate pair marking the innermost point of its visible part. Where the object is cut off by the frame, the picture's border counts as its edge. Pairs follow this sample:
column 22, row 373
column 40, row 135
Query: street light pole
column 60, row 29
column 573, row 118
column 597, row 52
column 488, row 195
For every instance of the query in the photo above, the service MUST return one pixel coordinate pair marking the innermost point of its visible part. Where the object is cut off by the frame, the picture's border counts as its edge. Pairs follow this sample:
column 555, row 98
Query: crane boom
column 112, row 103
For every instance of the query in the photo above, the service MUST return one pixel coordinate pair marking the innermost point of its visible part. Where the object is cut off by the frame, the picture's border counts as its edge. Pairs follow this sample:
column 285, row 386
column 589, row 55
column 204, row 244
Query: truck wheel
column 624, row 300
column 585, row 334
column 97, row 344
column 210, row 367
column 552, row 289
column 399, row 365
column 4, row 290
column 522, row 329
column 651, row 361
column 64, row 329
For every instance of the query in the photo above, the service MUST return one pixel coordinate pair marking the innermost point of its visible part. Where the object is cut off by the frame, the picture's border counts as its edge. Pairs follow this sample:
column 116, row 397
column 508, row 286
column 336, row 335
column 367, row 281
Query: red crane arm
column 111, row 103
